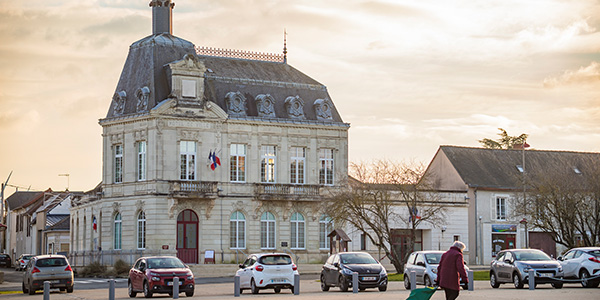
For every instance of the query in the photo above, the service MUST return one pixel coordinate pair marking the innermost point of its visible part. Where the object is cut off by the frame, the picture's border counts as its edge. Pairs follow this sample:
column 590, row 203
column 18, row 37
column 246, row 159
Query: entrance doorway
column 502, row 241
column 187, row 236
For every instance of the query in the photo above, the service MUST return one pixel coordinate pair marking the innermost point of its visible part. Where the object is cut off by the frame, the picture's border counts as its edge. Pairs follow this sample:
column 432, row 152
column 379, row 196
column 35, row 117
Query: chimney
column 162, row 16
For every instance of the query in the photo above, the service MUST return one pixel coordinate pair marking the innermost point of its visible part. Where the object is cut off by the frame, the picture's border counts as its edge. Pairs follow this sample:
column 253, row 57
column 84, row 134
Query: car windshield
column 531, row 255
column 433, row 258
column 275, row 260
column 51, row 262
column 164, row 263
column 357, row 258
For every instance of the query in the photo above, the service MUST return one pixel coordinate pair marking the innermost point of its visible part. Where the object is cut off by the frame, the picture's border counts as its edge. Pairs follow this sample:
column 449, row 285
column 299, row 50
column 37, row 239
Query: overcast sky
column 408, row 76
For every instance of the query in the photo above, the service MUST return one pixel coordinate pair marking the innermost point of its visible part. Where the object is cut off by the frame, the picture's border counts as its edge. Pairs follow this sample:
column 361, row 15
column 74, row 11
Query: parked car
column 513, row 265
column 155, row 274
column 582, row 263
column 267, row 271
column 53, row 268
column 5, row 260
column 425, row 264
column 22, row 261
column 338, row 269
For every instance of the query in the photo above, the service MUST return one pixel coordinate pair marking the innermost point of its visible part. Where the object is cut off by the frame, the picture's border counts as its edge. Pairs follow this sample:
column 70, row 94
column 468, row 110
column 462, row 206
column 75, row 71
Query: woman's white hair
column 460, row 245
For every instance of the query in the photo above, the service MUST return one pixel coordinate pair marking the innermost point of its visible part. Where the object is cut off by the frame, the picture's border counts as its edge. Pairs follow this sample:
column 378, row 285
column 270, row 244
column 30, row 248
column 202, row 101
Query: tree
column 565, row 204
column 504, row 142
column 382, row 196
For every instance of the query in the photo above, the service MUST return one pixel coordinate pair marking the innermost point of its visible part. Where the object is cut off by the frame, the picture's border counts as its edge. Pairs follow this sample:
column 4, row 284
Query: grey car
column 22, row 261
column 425, row 265
column 52, row 268
column 513, row 266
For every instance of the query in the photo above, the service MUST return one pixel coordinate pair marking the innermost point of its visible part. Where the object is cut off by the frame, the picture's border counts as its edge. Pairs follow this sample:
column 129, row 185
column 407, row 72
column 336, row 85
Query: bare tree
column 565, row 204
column 383, row 194
column 504, row 142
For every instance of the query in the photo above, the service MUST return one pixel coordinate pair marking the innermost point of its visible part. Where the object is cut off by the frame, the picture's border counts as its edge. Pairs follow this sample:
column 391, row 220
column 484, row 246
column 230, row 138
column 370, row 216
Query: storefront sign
column 504, row 228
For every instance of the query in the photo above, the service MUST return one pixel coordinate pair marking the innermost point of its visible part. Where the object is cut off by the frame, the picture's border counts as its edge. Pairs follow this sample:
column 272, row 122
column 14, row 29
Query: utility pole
column 3, row 213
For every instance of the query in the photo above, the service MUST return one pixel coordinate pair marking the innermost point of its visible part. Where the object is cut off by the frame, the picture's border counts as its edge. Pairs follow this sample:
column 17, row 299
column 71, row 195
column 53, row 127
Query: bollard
column 531, row 280
column 46, row 290
column 413, row 280
column 355, row 282
column 236, row 285
column 471, row 282
column 296, row 284
column 175, row 287
column 111, row 289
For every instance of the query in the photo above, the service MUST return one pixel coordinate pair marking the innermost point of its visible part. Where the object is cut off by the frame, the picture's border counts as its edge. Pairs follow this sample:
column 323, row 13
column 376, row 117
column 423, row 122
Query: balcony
column 277, row 191
column 193, row 189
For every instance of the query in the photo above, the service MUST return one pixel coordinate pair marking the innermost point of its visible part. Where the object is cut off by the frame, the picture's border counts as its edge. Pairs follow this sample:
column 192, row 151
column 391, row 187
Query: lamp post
column 524, row 222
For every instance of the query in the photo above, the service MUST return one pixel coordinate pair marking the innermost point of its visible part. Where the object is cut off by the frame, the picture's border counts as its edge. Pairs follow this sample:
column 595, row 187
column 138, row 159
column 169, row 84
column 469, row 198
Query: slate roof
column 57, row 222
column 493, row 168
column 22, row 199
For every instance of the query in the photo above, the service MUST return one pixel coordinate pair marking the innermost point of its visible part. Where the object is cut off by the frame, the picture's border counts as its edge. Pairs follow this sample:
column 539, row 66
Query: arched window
column 117, row 232
column 141, row 230
column 267, row 231
column 297, row 231
column 325, row 227
column 237, row 231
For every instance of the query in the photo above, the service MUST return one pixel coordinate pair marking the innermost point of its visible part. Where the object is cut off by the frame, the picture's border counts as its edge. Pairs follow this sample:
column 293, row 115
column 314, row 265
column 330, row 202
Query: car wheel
column 585, row 282
column 31, row 290
column 324, row 286
column 494, row 281
column 557, row 285
column 517, row 281
column 382, row 288
column 427, row 281
column 191, row 293
column 406, row 282
column 25, row 291
column 343, row 284
column 130, row 291
column 62, row 289
column 147, row 291
column 69, row 289
column 277, row 290
column 253, row 287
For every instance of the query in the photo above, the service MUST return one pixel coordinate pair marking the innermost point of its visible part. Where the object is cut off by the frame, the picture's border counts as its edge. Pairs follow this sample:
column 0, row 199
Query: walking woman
column 451, row 269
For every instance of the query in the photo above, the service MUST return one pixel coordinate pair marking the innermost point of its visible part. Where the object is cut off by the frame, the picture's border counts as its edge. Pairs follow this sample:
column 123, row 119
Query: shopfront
column 503, row 237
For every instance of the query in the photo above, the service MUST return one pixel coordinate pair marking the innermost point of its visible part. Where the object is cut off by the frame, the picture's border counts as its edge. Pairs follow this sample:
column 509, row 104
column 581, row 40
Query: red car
column 154, row 274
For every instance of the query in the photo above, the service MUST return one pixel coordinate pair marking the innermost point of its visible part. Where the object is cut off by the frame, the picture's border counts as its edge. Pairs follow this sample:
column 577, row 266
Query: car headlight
column 154, row 278
column 560, row 269
column 383, row 272
column 434, row 270
column 347, row 271
column 190, row 277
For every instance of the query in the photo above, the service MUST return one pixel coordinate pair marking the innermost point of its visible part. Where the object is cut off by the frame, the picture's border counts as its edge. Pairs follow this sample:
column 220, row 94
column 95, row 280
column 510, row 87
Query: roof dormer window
column 520, row 168
column 577, row 171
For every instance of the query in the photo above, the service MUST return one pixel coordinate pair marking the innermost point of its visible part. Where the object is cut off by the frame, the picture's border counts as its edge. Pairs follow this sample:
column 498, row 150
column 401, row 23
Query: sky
column 408, row 76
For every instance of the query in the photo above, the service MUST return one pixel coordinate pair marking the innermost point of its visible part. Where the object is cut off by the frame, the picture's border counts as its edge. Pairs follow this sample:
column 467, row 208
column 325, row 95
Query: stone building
column 208, row 149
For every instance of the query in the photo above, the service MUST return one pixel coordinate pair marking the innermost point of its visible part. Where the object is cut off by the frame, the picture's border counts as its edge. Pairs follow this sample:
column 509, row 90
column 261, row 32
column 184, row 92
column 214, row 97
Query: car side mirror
column 508, row 261
column 337, row 265
column 422, row 264
column 560, row 258
column 142, row 269
column 241, row 266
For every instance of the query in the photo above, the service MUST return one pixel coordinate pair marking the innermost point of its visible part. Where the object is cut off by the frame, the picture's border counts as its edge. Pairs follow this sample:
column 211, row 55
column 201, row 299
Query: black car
column 5, row 260
column 338, row 269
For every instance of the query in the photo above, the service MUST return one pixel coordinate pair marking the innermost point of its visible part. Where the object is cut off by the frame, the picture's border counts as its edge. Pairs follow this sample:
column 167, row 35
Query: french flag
column 214, row 160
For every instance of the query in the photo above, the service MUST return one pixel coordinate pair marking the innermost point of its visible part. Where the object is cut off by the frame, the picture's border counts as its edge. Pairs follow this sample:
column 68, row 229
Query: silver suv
column 513, row 265
column 52, row 268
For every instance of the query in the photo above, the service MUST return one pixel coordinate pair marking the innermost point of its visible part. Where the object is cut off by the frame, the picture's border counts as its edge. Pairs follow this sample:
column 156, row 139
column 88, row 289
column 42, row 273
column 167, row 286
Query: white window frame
column 297, row 231
column 118, row 163
column 297, row 165
column 500, row 207
column 268, row 234
column 326, row 166
column 142, row 147
column 237, row 162
column 237, row 230
column 268, row 164
column 141, row 230
column 187, row 160
column 325, row 227
column 118, row 230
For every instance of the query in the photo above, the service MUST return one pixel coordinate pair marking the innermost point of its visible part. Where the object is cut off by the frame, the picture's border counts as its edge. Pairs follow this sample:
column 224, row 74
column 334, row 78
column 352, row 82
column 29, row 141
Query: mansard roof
column 497, row 169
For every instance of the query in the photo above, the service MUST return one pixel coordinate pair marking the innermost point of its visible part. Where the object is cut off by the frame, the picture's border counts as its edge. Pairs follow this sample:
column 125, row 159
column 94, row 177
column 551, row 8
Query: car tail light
column 35, row 270
column 294, row 267
column 22, row 261
column 259, row 268
column 68, row 268
column 594, row 259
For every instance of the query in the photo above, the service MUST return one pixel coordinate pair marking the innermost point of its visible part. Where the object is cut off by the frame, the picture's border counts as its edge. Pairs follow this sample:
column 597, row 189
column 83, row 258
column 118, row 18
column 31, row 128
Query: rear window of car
column 28, row 256
column 594, row 253
column 4, row 255
column 51, row 262
column 275, row 260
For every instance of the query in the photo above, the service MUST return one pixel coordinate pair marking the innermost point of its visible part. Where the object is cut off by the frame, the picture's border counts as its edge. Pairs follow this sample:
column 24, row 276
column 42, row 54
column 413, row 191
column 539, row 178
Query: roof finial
column 284, row 46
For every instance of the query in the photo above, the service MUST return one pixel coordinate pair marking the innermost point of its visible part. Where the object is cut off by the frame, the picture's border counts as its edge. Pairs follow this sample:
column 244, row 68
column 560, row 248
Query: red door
column 187, row 237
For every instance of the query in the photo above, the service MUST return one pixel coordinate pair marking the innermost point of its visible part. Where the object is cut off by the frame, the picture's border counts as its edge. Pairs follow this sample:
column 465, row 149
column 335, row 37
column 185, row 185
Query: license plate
column 171, row 283
column 369, row 278
column 545, row 274
column 54, row 281
column 280, row 280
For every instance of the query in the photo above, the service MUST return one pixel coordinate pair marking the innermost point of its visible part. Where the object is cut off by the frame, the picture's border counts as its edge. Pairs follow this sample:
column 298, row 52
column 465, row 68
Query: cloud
column 584, row 75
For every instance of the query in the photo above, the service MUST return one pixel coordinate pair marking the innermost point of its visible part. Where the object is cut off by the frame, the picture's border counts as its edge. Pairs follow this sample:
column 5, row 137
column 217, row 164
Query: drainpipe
column 477, row 241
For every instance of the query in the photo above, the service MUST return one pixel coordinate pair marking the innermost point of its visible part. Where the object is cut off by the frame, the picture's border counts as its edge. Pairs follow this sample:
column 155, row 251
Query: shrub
column 121, row 268
column 93, row 269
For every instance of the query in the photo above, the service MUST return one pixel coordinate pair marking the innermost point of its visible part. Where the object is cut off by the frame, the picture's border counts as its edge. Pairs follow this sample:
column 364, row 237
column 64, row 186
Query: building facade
column 207, row 150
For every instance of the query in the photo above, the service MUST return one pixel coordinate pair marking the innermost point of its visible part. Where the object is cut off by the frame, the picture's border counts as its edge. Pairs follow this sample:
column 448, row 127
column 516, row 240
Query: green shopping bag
column 422, row 294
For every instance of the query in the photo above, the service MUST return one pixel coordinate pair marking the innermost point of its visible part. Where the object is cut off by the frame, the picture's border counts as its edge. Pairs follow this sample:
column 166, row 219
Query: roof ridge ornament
column 284, row 46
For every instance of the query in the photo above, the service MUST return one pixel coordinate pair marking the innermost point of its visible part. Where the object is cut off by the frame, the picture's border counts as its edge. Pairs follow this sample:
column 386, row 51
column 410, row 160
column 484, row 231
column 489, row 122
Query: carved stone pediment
column 323, row 109
column 265, row 105
column 294, row 106
column 236, row 104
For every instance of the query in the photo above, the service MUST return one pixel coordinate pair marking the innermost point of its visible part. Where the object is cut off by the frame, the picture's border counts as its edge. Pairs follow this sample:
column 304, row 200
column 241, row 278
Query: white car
column 267, row 271
column 582, row 263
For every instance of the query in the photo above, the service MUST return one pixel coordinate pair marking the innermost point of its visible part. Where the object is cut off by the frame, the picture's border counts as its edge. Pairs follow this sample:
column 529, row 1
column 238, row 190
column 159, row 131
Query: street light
column 524, row 222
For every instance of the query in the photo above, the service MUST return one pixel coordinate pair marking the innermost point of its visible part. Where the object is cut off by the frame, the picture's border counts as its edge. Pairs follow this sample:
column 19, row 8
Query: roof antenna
column 284, row 46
